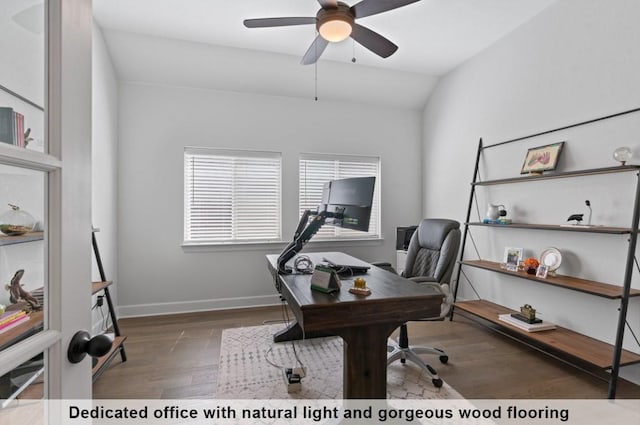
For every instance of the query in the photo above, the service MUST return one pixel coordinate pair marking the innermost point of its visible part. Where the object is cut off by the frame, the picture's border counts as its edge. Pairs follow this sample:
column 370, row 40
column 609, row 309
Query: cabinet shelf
column 560, row 175
column 592, row 287
column 27, row 237
column 557, row 227
column 559, row 340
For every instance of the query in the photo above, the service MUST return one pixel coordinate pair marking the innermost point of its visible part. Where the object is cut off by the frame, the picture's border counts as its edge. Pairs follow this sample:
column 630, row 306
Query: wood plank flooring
column 176, row 357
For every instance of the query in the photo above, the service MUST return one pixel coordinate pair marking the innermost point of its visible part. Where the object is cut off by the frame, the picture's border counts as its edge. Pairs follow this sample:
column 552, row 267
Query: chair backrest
column 433, row 249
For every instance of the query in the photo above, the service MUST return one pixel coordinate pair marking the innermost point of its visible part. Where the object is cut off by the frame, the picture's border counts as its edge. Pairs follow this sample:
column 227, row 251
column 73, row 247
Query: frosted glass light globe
column 622, row 155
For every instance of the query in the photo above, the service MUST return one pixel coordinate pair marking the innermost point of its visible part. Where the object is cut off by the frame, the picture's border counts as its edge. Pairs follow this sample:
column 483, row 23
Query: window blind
column 317, row 169
column 231, row 196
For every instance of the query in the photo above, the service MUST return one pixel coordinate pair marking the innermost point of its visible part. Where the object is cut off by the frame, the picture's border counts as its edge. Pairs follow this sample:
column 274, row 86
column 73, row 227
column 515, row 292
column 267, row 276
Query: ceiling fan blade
column 373, row 7
column 314, row 51
column 328, row 4
column 373, row 41
column 278, row 22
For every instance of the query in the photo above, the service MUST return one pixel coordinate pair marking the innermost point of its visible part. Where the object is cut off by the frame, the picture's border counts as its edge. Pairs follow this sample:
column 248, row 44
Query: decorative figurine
column 17, row 292
column 27, row 137
column 588, row 204
column 576, row 217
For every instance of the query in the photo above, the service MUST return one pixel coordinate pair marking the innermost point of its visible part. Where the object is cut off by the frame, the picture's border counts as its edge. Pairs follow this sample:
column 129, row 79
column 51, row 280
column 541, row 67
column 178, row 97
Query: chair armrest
column 444, row 289
column 385, row 266
column 424, row 279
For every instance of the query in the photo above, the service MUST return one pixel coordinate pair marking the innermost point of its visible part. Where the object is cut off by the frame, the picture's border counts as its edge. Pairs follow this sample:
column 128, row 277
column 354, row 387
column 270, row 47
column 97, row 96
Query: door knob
column 82, row 344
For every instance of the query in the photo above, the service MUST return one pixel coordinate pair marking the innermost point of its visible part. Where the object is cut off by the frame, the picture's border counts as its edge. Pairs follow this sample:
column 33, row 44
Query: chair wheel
column 437, row 382
column 444, row 359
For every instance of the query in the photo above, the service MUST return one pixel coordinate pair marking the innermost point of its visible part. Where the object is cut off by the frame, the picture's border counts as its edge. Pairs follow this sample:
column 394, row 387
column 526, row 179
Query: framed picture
column 542, row 158
column 512, row 256
column 542, row 271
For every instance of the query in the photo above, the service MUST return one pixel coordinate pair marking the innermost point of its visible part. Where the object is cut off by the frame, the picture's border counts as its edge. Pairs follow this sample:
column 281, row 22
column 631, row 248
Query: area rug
column 251, row 368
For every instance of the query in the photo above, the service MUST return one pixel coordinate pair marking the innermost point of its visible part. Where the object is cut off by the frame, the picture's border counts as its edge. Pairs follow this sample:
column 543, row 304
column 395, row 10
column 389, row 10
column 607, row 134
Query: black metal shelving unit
column 562, row 344
column 118, row 341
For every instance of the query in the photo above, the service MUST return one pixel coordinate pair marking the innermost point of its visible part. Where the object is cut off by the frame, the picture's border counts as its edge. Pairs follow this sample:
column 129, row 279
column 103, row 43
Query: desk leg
column 365, row 361
column 293, row 332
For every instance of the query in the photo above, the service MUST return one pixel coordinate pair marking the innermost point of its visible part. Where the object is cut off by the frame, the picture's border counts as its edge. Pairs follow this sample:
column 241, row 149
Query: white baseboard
column 157, row 309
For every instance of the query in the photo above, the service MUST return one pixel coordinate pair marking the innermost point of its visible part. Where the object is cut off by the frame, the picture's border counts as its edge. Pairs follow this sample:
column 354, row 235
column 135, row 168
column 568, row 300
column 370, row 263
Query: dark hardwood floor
column 176, row 357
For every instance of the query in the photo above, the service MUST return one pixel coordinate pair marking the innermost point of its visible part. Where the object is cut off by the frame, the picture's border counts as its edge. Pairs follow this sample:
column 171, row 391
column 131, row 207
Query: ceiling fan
column 335, row 22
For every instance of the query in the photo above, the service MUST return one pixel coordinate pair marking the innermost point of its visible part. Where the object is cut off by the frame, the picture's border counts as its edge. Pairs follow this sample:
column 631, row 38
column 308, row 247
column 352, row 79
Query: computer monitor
column 345, row 203
column 349, row 200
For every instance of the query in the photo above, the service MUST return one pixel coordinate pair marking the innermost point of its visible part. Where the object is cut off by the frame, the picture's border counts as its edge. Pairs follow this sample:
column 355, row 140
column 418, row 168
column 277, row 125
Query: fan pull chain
column 315, row 70
column 353, row 43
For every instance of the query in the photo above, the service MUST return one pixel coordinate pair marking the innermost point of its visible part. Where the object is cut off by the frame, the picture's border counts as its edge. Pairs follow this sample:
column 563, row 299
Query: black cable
column 285, row 316
column 104, row 319
column 303, row 264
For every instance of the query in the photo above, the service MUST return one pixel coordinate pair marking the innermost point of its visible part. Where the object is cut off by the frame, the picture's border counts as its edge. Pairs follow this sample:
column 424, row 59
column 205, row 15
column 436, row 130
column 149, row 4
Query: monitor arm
column 304, row 232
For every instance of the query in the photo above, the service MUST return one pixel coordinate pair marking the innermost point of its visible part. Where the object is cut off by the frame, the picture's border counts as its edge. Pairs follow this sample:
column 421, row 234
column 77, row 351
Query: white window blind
column 231, row 196
column 317, row 169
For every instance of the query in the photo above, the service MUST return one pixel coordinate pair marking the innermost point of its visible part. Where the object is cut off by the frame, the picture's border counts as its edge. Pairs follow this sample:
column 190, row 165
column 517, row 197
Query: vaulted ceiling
column 203, row 43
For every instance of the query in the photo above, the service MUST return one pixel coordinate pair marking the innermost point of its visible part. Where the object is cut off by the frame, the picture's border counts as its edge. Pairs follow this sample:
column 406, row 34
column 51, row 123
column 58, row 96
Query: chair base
column 403, row 351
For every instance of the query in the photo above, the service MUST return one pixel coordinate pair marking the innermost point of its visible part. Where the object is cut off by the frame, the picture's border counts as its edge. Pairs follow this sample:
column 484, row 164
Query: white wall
column 575, row 61
column 104, row 199
column 156, row 122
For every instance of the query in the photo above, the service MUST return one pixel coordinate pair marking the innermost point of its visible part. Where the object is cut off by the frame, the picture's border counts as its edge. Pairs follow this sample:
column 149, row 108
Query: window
column 231, row 196
column 317, row 169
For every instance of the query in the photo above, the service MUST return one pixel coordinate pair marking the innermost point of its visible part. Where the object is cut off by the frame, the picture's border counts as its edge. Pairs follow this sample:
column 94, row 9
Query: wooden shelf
column 584, row 229
column 584, row 348
column 99, row 286
column 592, row 287
column 23, row 330
column 566, row 174
column 27, row 237
column 103, row 361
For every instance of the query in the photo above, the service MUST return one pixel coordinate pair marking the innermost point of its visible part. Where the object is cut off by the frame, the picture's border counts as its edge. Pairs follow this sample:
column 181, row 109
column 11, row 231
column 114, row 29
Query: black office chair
column 430, row 259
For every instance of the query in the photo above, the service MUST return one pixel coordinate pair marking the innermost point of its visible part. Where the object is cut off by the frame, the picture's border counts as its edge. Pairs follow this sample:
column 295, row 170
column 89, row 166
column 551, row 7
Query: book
column 19, row 124
column 11, row 315
column 7, row 125
column 4, row 328
column 525, row 319
column 529, row 327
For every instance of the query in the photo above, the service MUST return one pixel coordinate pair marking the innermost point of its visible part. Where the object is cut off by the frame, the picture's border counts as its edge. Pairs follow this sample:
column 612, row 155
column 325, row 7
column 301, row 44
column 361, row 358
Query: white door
column 45, row 74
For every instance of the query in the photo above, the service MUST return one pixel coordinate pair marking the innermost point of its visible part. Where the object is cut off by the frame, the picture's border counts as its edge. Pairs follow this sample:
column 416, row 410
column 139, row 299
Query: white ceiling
column 434, row 37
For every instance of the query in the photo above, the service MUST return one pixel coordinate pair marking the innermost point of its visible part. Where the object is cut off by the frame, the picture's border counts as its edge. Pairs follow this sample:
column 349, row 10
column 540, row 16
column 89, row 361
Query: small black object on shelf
column 576, row 217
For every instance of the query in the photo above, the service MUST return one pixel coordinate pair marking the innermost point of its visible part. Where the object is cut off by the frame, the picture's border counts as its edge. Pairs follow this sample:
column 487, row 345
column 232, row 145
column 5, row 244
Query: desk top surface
column 385, row 286
column 393, row 299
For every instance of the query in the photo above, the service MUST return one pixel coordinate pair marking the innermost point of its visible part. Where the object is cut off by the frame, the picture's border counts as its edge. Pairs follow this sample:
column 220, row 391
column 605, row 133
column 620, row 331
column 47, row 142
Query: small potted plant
column 531, row 265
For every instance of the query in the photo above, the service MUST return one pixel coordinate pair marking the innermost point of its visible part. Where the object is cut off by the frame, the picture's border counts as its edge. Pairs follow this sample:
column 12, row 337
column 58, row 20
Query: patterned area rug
column 247, row 371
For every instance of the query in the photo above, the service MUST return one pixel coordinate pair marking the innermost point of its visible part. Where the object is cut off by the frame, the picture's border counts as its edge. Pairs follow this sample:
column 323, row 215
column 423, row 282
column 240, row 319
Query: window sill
column 189, row 247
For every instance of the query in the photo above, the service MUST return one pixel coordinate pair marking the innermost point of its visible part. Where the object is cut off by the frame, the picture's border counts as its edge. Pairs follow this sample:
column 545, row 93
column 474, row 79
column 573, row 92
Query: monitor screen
column 350, row 200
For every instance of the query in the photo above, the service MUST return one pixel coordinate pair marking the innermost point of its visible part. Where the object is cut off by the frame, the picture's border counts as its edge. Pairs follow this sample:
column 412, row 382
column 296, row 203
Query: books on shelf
column 12, row 127
column 10, row 315
column 10, row 320
column 529, row 327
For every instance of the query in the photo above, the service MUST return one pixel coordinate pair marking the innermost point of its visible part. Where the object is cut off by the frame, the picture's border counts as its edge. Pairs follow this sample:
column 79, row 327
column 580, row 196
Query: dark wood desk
column 364, row 323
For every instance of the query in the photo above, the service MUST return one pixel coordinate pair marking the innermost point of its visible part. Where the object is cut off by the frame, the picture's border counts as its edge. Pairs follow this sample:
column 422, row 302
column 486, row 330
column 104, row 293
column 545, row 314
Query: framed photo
column 542, row 158
column 512, row 256
column 542, row 271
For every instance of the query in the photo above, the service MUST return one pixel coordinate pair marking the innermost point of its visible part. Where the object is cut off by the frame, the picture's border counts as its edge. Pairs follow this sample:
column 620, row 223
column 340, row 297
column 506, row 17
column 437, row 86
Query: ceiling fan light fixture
column 335, row 30
column 335, row 24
